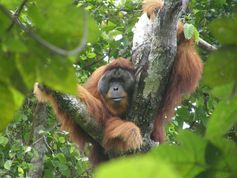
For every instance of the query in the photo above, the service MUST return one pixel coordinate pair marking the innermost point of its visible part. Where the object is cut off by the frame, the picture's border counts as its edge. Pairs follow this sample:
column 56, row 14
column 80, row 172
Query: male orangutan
column 108, row 93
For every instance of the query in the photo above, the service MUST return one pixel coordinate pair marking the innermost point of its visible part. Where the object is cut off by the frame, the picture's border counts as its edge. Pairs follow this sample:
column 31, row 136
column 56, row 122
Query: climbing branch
column 206, row 46
column 153, row 69
column 153, row 62
column 76, row 110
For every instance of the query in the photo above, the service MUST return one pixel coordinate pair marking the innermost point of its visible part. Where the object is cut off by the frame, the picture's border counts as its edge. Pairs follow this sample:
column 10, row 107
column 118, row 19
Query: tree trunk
column 153, row 62
column 39, row 124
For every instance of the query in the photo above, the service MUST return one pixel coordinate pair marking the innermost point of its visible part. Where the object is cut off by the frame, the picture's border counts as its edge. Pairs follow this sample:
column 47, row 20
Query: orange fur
column 94, row 104
column 92, row 83
column 184, row 78
column 119, row 109
column 150, row 6
column 67, row 124
column 119, row 135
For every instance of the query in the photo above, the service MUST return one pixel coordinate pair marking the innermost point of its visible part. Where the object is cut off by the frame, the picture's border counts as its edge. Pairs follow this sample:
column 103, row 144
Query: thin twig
column 44, row 135
column 201, row 43
column 206, row 46
column 44, row 42
column 46, row 143
column 17, row 14
column 37, row 140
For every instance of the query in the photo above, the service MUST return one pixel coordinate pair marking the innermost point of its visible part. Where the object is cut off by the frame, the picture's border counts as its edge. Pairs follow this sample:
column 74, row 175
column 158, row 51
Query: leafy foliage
column 24, row 61
column 207, row 147
column 213, row 155
column 62, row 158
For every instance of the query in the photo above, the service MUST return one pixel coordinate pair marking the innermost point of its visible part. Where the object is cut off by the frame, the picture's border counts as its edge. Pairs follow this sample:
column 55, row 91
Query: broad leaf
column 228, row 158
column 225, row 29
column 188, row 31
column 10, row 101
column 12, row 4
column 136, row 167
column 57, row 73
column 188, row 158
column 8, row 164
column 223, row 118
column 61, row 22
column 221, row 68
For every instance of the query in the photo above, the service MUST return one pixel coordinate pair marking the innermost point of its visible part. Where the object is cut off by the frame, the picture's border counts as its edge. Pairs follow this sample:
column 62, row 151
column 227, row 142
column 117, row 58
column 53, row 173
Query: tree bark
column 76, row 110
column 153, row 62
column 206, row 46
column 39, row 123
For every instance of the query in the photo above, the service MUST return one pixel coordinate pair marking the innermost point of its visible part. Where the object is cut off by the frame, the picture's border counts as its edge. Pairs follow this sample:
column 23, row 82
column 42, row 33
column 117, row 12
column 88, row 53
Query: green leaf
column 12, row 4
column 225, row 29
column 61, row 158
column 219, row 2
column 48, row 173
column 188, row 158
column 64, row 169
column 57, row 73
column 183, row 114
column 4, row 21
column 223, row 91
column 188, row 31
column 12, row 42
column 221, row 67
column 91, row 55
column 220, row 156
column 136, row 167
column 61, row 22
column 10, row 101
column 228, row 158
column 3, row 141
column 213, row 154
column 224, row 116
column 109, row 26
column 8, row 164
column 196, row 35
column 61, row 139
column 9, row 74
column 6, row 66
column 20, row 170
column 28, row 69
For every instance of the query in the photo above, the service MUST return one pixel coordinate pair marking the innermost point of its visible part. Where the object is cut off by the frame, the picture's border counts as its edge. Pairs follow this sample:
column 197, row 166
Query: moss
column 155, row 71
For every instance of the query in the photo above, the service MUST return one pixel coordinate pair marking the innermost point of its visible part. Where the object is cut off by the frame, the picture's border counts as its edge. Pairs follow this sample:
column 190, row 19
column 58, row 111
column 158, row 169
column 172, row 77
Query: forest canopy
column 60, row 43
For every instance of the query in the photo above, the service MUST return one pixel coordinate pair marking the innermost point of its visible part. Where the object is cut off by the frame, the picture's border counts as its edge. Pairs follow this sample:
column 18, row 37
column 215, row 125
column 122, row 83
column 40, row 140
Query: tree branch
column 17, row 14
column 45, row 43
column 77, row 111
column 153, row 68
column 153, row 63
column 39, row 123
column 206, row 46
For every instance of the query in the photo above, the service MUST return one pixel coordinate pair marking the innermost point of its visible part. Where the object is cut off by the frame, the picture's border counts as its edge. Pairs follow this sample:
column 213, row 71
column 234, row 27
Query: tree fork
column 153, row 64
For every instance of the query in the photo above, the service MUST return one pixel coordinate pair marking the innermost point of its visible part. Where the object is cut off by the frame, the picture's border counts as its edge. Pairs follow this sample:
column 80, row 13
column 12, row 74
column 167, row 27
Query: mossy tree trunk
column 153, row 62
